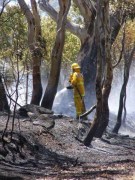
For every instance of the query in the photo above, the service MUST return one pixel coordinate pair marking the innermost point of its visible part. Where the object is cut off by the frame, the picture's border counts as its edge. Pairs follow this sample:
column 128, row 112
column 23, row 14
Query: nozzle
column 69, row 87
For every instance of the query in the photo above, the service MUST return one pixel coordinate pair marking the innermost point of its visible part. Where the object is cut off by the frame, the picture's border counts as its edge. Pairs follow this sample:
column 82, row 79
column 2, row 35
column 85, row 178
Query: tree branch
column 87, row 10
column 73, row 28
column 4, row 3
column 122, row 49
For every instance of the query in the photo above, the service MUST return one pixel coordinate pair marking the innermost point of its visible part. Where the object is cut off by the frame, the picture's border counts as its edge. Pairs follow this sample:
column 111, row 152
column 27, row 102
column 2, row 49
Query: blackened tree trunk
column 104, row 72
column 56, row 56
column 3, row 99
column 108, row 72
column 98, row 114
column 127, row 65
column 34, row 35
column 87, row 56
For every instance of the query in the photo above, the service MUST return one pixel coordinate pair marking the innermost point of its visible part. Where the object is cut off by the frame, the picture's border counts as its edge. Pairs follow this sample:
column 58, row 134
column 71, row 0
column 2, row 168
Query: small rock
column 43, row 117
column 32, row 115
column 48, row 123
column 37, row 110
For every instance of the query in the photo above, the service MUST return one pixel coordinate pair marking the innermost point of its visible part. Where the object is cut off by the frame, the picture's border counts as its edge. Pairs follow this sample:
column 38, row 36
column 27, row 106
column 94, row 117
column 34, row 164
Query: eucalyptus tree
column 34, row 42
column 104, row 72
column 56, row 55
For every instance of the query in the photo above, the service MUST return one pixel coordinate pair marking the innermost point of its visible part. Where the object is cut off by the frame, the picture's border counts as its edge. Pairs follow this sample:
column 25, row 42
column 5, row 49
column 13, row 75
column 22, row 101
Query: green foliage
column 126, row 6
column 14, row 37
column 13, row 32
column 72, row 43
column 71, row 48
column 48, row 32
column 129, row 36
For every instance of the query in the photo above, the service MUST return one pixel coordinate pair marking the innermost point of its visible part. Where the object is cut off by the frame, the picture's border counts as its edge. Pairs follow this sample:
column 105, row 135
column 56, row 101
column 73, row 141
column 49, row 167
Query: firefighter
column 77, row 82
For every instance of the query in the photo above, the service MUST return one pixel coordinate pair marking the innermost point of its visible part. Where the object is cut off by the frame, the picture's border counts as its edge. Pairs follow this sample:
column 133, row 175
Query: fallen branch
column 13, row 100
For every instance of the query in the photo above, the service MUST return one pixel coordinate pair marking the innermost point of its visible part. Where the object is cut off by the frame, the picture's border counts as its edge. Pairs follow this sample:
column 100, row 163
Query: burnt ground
column 38, row 153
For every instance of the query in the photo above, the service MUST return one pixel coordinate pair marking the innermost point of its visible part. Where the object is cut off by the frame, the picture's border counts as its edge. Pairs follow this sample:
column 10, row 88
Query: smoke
column 115, row 95
column 129, row 127
column 64, row 104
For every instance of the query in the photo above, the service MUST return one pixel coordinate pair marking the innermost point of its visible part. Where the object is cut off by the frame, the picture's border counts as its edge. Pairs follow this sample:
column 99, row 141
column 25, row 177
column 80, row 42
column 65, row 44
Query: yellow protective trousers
column 79, row 105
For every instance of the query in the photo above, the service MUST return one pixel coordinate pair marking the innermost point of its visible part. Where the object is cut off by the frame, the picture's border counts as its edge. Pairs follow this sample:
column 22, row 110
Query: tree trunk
column 87, row 57
column 56, row 56
column 104, row 72
column 98, row 114
column 34, row 33
column 3, row 99
column 108, row 77
column 127, row 65
column 36, row 56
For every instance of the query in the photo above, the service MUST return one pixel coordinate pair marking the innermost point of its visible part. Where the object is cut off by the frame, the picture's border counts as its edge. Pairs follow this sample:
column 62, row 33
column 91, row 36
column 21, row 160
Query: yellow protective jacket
column 77, row 81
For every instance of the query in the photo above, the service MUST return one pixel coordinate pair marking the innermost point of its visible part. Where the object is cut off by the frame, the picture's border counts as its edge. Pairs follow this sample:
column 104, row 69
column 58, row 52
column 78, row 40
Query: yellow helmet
column 75, row 66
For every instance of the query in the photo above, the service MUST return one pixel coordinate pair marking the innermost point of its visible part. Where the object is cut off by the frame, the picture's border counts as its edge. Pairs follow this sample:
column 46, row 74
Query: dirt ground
column 37, row 153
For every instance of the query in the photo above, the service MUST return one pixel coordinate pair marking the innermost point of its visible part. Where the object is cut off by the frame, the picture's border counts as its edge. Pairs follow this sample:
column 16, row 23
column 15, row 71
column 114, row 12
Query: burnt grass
column 38, row 153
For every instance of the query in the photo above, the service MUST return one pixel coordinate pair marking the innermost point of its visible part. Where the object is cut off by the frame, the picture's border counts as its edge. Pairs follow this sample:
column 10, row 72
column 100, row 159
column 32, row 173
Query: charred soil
column 36, row 152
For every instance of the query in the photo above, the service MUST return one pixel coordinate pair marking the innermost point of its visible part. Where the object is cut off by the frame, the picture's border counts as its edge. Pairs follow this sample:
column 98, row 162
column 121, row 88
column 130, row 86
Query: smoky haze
column 64, row 104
